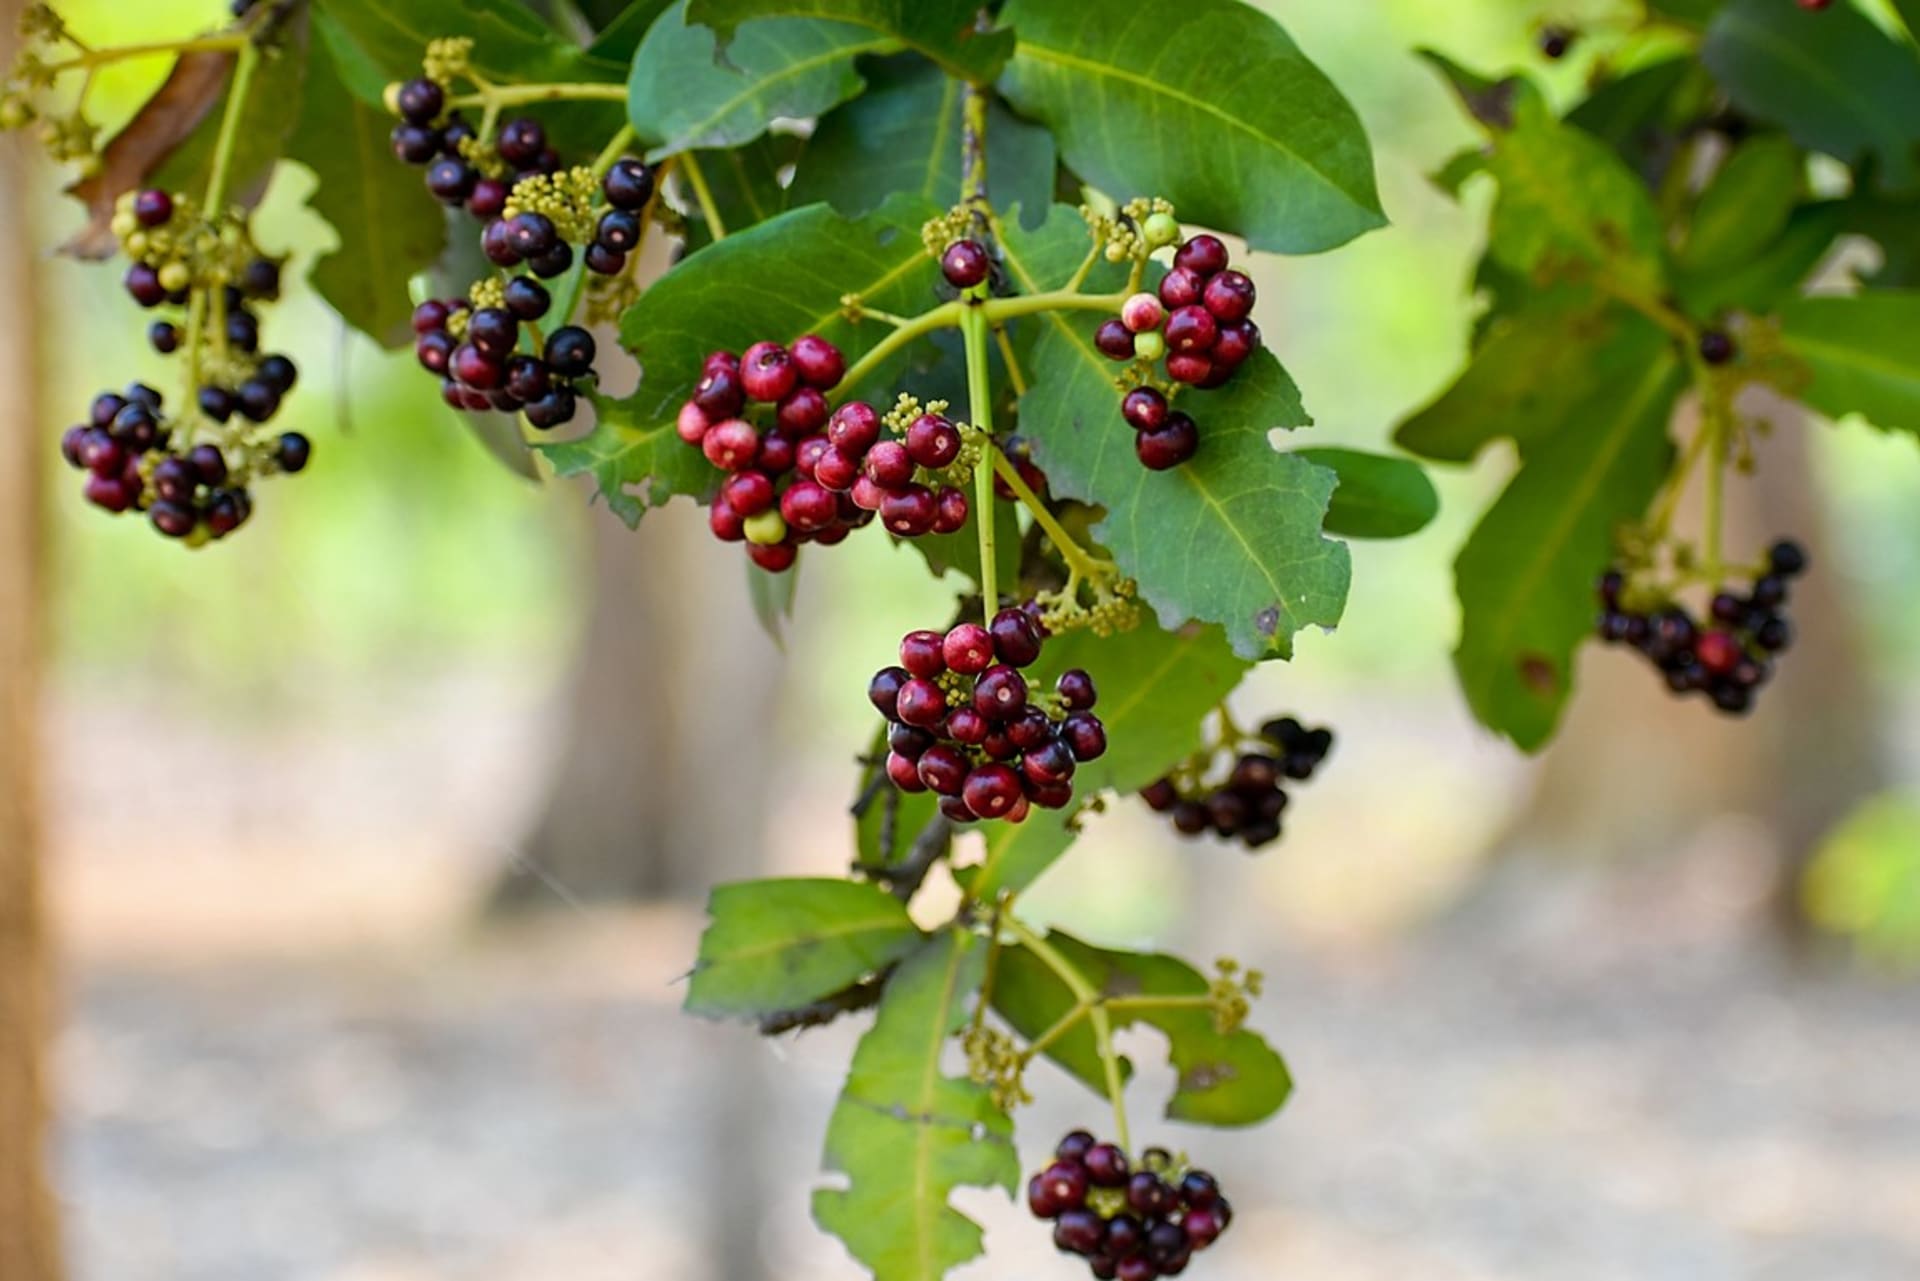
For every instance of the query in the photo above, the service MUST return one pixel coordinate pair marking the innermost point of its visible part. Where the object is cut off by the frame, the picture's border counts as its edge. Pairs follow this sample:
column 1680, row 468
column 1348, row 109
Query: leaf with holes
column 1218, row 111
column 1231, row 537
column 779, row 944
column 905, row 1134
column 1526, row 575
column 637, row 462
column 682, row 95
column 1225, row 1079
column 943, row 30
column 388, row 233
column 1861, row 356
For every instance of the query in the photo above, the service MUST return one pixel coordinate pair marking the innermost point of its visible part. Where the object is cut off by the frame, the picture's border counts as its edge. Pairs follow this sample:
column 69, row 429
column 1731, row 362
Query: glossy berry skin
column 521, row 142
column 1717, row 347
column 991, row 791
column 884, row 691
column 1074, row 1146
column 968, row 649
column 420, row 101
column 1234, row 342
column 153, row 208
column 943, row 769
column 628, row 184
column 965, row 264
column 889, row 465
column 1229, row 296
column 767, row 372
column 570, row 352
column 1169, row 445
column 451, row 181
column 1106, row 1166
column 532, row 234
column 414, row 145
column 1141, row 312
column 803, row 412
column 1203, row 254
column 1015, row 639
column 1144, row 408
column 749, row 493
column 818, row 362
column 923, row 653
column 951, row 509
column 494, row 331
column 932, row 442
column 292, row 452
column 554, row 262
column 1000, row 693
column 474, row 368
column 922, row 703
column 527, row 378
column 1075, row 688
column 279, row 373
column 497, row 244
column 487, row 199
column 1191, row 330
column 719, row 394
column 731, row 445
column 1114, row 340
column 1182, row 288
column 910, row 511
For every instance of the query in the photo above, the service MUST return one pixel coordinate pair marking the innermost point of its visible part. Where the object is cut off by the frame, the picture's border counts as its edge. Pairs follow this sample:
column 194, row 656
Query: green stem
column 494, row 98
column 1080, row 561
column 945, row 316
column 90, row 59
column 1715, row 423
column 704, row 194
column 973, row 328
column 1085, row 994
column 1061, row 1026
column 222, row 174
column 612, row 151
column 1003, row 309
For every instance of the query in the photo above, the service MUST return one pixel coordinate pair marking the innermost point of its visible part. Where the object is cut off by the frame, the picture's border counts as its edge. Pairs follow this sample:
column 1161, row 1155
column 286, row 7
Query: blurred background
column 375, row 841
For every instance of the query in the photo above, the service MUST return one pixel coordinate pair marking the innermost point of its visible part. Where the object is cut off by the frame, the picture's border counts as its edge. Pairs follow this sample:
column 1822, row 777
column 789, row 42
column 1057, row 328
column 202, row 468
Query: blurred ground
column 290, row 1055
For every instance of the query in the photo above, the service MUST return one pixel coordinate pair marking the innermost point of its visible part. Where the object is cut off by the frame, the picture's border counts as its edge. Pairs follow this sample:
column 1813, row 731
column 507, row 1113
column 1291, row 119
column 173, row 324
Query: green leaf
column 1155, row 689
column 1639, row 114
column 683, row 95
column 1231, row 537
column 621, row 33
column 1832, row 79
column 388, row 231
column 1526, row 575
column 959, row 552
column 782, row 278
column 1218, row 111
column 1569, row 208
column 903, row 134
column 1534, row 369
column 1017, row 854
column 1378, row 497
column 745, row 184
column 1861, row 355
column 1746, row 206
column 268, row 117
column 942, row 30
column 906, row 1135
column 779, row 944
column 1229, row 1079
column 1894, row 225
column 637, row 462
column 772, row 596
column 1769, row 277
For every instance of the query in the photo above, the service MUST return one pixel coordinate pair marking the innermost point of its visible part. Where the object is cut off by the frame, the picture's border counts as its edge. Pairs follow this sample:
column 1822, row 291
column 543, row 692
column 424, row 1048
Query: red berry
column 1065, row 1183
column 1144, row 408
column 475, row 369
column 834, row 469
column 922, row 703
column 1181, row 288
column 904, row 773
column 719, row 393
column 803, row 412
column 1168, row 446
column 1189, row 367
column 775, row 558
column 1079, row 1231
column 728, row 525
column 1203, row 1226
column 1075, row 1146
column 1237, row 340
column 968, row 649
column 1718, row 652
column 1191, row 330
column 964, row 725
column 775, row 456
column 1076, row 691
column 152, row 207
column 731, row 445
column 1085, row 736
column 1000, row 693
column 807, row 455
column 932, row 441
column 909, row 511
column 818, row 362
column 890, row 466
column 767, row 372
column 965, row 263
column 923, row 653
column 1114, row 340
column 429, row 316
column 1051, row 762
column 854, row 427
column 809, row 506
column 1106, row 1166
column 1015, row 639
column 944, row 769
column 748, row 493
column 991, row 791
column 866, row 495
column 884, row 691
column 1203, row 254
column 951, row 509
column 1229, row 296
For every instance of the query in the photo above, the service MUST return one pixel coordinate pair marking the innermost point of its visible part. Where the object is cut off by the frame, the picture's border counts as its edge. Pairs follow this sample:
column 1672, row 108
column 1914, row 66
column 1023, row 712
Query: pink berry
column 691, row 424
column 1142, row 312
column 854, row 427
column 889, row 464
column 731, row 445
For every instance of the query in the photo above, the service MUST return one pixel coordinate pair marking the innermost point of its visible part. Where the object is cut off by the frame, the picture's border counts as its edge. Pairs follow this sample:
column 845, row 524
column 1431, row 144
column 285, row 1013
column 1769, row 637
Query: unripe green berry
column 390, row 98
column 1161, row 229
column 174, row 277
column 766, row 528
column 1150, row 345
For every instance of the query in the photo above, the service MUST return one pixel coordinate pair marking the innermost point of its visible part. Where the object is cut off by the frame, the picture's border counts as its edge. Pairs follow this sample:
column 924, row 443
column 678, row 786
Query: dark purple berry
column 965, row 263
column 421, row 101
column 521, row 142
column 570, row 352
column 628, row 184
column 293, row 452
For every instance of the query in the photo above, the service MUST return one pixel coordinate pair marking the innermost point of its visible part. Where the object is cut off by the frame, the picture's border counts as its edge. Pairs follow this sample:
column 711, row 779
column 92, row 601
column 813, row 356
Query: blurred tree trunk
column 29, row 1230
column 1634, row 771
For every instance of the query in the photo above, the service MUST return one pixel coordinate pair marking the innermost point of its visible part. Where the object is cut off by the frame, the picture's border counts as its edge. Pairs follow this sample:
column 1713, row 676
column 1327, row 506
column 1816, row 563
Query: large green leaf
column 943, row 30
column 1894, row 225
column 1773, row 274
column 745, row 184
column 1832, row 79
column 1231, row 537
column 1214, row 108
column 1378, row 497
column 1569, row 208
column 1526, row 575
column 1642, row 113
column 1155, row 689
column 1862, row 355
column 906, row 1135
column 1746, row 206
column 1017, row 854
column 778, row 280
column 682, row 95
column 389, row 228
column 903, row 134
column 1228, row 1079
column 1534, row 368
column 777, row 945
column 621, row 25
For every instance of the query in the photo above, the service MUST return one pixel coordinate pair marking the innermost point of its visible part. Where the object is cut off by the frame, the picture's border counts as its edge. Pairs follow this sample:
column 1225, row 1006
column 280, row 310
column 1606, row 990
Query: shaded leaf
column 1773, row 274
column 1746, row 206
column 1526, row 575
column 682, row 95
column 1831, row 78
column 906, row 1135
column 943, row 30
column 772, row 596
column 1231, row 537
column 779, row 944
column 1224, row 1079
column 621, row 26
column 1017, row 854
column 638, row 462
column 1219, row 112
column 1861, row 355
column 1378, row 496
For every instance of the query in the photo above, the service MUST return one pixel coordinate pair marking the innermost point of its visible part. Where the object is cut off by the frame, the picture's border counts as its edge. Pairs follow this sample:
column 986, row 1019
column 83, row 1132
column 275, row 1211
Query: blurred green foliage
column 1865, row 882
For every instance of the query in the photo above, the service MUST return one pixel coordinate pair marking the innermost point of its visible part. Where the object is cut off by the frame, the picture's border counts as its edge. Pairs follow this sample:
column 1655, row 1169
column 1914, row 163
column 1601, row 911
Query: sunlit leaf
column 778, row 944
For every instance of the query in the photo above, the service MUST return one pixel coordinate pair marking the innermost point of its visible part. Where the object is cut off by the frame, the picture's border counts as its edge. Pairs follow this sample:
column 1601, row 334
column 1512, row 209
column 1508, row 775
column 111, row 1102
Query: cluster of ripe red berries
column 483, row 367
column 966, row 726
column 1246, row 805
column 1727, row 656
column 1200, row 323
column 1133, row 1225
column 134, row 462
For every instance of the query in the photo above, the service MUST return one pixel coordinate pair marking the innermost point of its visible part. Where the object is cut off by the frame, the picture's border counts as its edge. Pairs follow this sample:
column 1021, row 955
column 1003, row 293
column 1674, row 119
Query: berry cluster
column 1133, row 1225
column 1247, row 803
column 966, row 725
column 808, row 474
column 1200, row 323
column 476, row 352
column 1727, row 656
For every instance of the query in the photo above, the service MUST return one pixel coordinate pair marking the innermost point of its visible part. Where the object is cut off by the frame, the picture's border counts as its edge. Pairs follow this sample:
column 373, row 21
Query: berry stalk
column 973, row 329
column 702, row 193
column 1084, row 994
column 247, row 60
